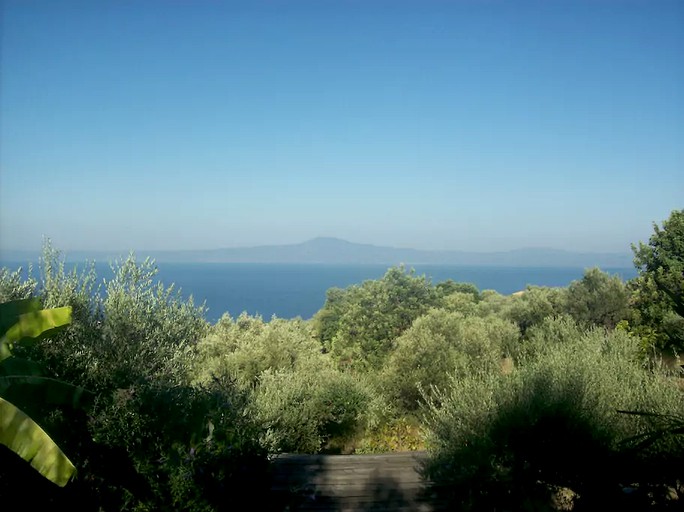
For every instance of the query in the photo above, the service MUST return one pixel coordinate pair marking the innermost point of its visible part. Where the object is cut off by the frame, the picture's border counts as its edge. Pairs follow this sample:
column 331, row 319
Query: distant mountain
column 336, row 251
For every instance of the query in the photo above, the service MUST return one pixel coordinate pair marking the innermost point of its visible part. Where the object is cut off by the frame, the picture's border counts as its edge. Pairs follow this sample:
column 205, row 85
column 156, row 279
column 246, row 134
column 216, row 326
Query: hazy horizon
column 472, row 126
column 142, row 250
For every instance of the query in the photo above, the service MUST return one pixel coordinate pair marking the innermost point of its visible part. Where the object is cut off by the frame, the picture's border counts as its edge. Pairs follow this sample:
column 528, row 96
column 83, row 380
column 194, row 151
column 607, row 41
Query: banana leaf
column 12, row 310
column 33, row 326
column 27, row 390
column 24, row 437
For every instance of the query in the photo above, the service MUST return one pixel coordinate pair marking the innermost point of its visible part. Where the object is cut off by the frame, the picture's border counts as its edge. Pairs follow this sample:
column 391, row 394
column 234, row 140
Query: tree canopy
column 659, row 289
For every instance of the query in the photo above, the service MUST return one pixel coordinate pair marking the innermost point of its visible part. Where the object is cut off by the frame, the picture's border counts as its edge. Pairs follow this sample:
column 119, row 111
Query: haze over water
column 291, row 290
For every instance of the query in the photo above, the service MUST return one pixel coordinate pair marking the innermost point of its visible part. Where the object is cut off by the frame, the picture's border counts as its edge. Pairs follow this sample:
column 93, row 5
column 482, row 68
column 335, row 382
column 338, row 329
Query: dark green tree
column 658, row 291
column 597, row 299
column 448, row 287
column 536, row 303
column 359, row 324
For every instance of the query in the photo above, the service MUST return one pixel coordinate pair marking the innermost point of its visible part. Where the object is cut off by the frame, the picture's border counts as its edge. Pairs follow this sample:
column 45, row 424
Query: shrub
column 460, row 302
column 439, row 344
column 449, row 287
column 492, row 303
column 190, row 448
column 597, row 299
column 243, row 349
column 399, row 435
column 547, row 335
column 534, row 305
column 13, row 286
column 304, row 411
column 359, row 325
column 146, row 327
column 152, row 441
column 501, row 440
column 129, row 329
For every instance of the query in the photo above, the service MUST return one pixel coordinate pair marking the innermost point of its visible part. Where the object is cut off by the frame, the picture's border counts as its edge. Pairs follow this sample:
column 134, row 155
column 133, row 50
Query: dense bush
column 306, row 412
column 460, row 302
column 152, row 440
column 193, row 448
column 439, row 344
column 127, row 329
column 359, row 324
column 658, row 298
column 597, row 299
column 13, row 286
column 533, row 305
column 502, row 440
column 244, row 348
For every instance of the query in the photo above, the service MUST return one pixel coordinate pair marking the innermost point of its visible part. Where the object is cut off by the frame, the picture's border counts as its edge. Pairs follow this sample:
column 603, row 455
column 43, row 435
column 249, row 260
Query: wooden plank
column 352, row 478
column 351, row 482
column 356, row 459
column 350, row 471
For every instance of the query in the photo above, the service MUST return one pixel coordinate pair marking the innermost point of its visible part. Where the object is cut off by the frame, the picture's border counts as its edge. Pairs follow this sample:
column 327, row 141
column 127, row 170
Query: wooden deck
column 350, row 482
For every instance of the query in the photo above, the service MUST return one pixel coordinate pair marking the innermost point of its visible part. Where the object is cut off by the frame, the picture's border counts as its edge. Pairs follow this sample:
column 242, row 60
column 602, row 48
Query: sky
column 470, row 125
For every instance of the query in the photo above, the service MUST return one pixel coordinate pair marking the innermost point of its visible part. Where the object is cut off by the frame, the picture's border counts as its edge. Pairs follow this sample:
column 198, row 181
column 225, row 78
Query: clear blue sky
column 482, row 125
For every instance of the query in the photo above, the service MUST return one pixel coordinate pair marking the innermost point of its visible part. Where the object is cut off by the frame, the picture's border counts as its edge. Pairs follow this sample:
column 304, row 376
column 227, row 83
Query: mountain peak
column 327, row 241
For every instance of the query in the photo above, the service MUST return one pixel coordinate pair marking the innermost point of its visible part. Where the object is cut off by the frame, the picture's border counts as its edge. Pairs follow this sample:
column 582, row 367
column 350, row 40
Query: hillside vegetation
column 514, row 397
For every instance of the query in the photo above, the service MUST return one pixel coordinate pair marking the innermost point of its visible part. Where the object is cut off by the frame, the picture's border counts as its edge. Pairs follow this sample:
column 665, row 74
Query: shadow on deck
column 350, row 482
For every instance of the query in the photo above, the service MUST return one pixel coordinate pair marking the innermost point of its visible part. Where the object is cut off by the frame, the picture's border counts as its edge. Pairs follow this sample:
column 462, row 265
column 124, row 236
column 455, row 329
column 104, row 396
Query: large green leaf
column 19, row 366
column 10, row 312
column 33, row 326
column 24, row 437
column 33, row 389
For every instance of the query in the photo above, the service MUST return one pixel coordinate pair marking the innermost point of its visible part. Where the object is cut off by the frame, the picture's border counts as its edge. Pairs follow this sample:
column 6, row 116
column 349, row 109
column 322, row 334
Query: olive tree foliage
column 124, row 330
column 501, row 440
column 449, row 287
column 493, row 303
column 153, row 440
column 68, row 356
column 548, row 334
column 148, row 326
column 459, row 302
column 13, row 286
column 304, row 411
column 597, row 299
column 359, row 324
column 242, row 349
column 533, row 305
column 442, row 344
column 658, row 291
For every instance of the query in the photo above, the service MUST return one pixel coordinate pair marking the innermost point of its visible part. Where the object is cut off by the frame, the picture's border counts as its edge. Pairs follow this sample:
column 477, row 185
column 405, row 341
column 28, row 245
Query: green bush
column 14, row 287
column 189, row 448
column 533, row 305
column 127, row 329
column 658, row 291
column 244, row 348
column 146, row 328
column 597, row 299
column 397, row 435
column 547, row 335
column 305, row 412
column 153, row 440
column 359, row 324
column 492, row 303
column 449, row 287
column 504, row 440
column 439, row 344
column 460, row 302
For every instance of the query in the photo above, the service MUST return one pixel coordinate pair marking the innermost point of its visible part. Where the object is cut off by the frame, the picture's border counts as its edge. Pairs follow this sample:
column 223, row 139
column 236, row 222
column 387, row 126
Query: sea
column 299, row 290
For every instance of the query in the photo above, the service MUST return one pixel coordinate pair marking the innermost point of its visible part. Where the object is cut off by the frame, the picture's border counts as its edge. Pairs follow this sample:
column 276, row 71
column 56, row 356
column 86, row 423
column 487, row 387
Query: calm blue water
column 288, row 290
